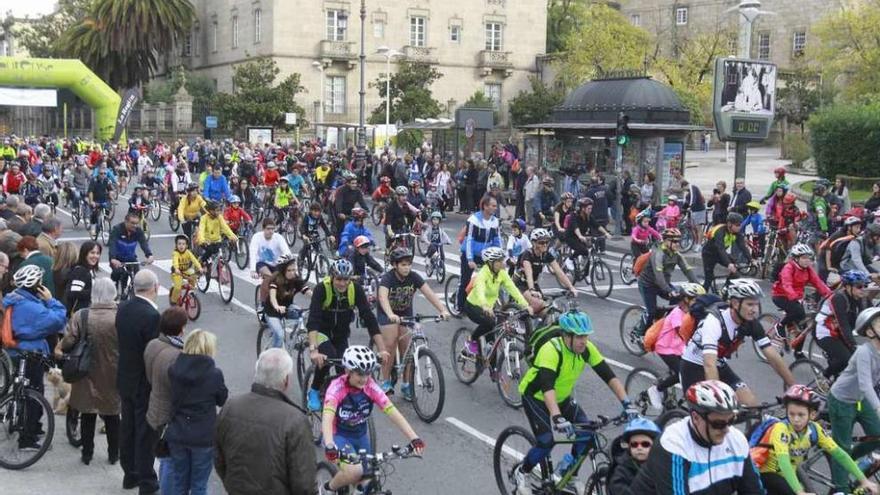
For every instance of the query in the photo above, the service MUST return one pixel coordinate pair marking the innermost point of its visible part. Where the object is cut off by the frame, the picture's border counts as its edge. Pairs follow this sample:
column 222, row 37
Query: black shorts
column 692, row 373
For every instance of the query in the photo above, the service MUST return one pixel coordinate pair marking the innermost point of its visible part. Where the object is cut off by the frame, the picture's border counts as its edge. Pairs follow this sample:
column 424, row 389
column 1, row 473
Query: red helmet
column 362, row 240
column 789, row 198
column 358, row 213
column 803, row 395
column 779, row 171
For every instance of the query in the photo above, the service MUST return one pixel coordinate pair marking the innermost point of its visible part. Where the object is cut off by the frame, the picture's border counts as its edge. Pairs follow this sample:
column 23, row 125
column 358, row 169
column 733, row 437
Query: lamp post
column 362, row 131
column 319, row 115
column 388, row 53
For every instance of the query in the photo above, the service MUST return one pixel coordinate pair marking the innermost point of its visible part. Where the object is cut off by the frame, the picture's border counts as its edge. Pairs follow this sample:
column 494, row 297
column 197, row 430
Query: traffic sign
column 290, row 118
column 211, row 122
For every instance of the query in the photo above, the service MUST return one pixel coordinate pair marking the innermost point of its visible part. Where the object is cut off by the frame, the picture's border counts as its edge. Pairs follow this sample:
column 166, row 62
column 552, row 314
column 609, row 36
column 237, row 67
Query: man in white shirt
column 531, row 188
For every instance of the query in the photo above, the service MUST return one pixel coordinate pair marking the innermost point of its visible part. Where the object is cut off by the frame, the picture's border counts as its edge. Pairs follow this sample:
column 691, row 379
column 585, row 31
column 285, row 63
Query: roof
column 613, row 126
column 429, row 124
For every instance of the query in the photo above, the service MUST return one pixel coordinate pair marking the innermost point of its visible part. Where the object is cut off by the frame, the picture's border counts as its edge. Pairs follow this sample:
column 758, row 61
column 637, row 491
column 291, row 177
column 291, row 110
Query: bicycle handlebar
column 378, row 458
column 601, row 423
column 418, row 318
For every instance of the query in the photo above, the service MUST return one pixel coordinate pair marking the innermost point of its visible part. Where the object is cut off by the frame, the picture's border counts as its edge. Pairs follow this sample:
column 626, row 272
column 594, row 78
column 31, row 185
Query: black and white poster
column 749, row 87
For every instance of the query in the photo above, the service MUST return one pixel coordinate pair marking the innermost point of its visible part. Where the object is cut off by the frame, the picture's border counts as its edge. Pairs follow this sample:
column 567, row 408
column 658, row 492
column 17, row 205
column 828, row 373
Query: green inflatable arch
column 66, row 73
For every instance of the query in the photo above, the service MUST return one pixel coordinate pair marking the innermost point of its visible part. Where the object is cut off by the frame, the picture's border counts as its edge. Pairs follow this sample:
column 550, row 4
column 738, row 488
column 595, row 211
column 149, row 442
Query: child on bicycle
column 753, row 224
column 638, row 437
column 517, row 244
column 353, row 229
column 435, row 237
column 139, row 201
column 784, row 445
column 348, row 404
column 642, row 234
column 384, row 191
column 668, row 217
column 284, row 285
column 788, row 290
column 184, row 265
column 212, row 230
column 235, row 215
column 361, row 258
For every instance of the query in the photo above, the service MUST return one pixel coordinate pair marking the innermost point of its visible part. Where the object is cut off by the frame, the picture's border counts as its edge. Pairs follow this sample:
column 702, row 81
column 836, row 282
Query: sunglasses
column 718, row 424
column 645, row 444
column 542, row 243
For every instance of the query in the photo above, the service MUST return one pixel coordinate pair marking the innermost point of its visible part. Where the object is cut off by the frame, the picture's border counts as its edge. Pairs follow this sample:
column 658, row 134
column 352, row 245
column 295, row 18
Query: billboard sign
column 744, row 99
column 210, row 122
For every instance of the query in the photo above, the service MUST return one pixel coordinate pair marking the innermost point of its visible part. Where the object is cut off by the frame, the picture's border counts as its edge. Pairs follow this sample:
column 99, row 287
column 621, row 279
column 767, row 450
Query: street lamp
column 319, row 115
column 388, row 53
column 362, row 130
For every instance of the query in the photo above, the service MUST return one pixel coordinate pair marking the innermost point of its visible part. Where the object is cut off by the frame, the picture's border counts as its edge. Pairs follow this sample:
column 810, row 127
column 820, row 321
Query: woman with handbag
column 96, row 394
column 197, row 389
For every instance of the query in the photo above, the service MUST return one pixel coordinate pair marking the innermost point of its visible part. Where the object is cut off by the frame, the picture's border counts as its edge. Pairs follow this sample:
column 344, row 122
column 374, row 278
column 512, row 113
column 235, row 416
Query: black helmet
column 192, row 186
column 401, row 254
column 734, row 217
column 211, row 205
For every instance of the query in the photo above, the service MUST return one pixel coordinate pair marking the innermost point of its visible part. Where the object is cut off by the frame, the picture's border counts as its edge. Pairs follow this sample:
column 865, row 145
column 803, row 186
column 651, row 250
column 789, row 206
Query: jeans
column 649, row 297
column 274, row 323
column 843, row 417
column 166, row 476
column 192, row 468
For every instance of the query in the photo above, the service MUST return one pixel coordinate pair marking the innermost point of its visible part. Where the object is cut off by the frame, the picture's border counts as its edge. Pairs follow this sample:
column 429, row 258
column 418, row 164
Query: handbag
column 161, row 450
column 78, row 361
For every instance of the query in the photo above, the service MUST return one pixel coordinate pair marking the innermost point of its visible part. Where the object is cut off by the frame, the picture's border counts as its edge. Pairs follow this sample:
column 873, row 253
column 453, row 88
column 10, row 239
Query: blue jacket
column 756, row 220
column 481, row 233
column 216, row 189
column 34, row 319
column 349, row 233
column 545, row 200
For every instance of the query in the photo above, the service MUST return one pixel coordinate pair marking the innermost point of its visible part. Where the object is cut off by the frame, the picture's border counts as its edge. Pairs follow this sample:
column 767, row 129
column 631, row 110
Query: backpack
column 759, row 448
column 702, row 307
column 838, row 249
column 7, row 335
column 540, row 337
column 328, row 294
column 567, row 220
column 653, row 333
column 640, row 263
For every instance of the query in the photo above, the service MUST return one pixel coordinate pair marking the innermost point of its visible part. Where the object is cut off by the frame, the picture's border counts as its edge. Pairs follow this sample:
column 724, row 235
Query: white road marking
column 470, row 430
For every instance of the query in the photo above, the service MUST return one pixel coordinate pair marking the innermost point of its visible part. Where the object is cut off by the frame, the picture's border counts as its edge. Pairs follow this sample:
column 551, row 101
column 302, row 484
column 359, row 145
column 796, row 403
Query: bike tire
column 289, row 232
column 242, row 253
column 106, row 227
column 225, row 282
column 433, row 384
column 636, row 385
column 204, row 281
column 421, row 246
column 6, row 373
column 768, row 322
column 156, row 211
column 48, row 424
column 513, row 369
column 301, row 364
column 628, row 320
column 173, row 221
column 510, row 444
column 811, row 374
column 467, row 367
column 670, row 416
column 264, row 339
column 314, row 417
column 600, row 272
column 193, row 307
column 324, row 472
column 72, row 427
column 376, row 214
column 322, row 267
column 258, row 304
column 626, row 269
column 74, row 216
column 451, row 295
column 440, row 273
column 687, row 239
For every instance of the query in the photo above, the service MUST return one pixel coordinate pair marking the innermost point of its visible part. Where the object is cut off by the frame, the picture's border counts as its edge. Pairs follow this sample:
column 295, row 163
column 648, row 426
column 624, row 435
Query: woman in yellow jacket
column 190, row 209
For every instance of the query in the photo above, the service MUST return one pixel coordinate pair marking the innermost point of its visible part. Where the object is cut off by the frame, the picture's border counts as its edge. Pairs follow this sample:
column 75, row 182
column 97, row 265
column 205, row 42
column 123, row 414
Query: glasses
column 859, row 286
column 645, row 444
column 718, row 424
column 542, row 243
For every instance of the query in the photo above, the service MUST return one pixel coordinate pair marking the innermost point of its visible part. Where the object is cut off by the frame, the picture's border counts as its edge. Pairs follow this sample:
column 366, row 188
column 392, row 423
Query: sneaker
column 472, row 347
column 799, row 355
column 29, row 447
column 407, row 391
column 314, row 400
column 655, row 397
column 387, row 386
column 521, row 480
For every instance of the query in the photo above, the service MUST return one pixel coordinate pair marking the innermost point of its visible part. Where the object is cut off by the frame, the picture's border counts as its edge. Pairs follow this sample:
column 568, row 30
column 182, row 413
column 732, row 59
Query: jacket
column 715, row 248
column 159, row 355
column 263, row 445
column 188, row 210
column 46, row 244
column 349, row 233
column 792, row 279
column 197, row 388
column 658, row 271
column 123, row 245
column 78, row 288
column 34, row 319
column 216, row 189
column 137, row 323
column 213, row 230
column 622, row 475
column 335, row 320
column 486, row 288
column 96, row 393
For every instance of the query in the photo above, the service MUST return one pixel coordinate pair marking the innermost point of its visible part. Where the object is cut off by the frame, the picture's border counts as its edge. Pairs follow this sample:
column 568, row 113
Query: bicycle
column 435, row 266
column 794, row 337
column 811, row 471
column 125, row 285
column 377, row 469
column 15, row 414
column 639, row 380
column 378, row 211
column 594, row 267
column 155, row 209
column 295, row 340
column 633, row 328
column 143, row 213
column 242, row 248
column 289, row 226
column 223, row 274
column 102, row 225
column 402, row 240
column 775, row 252
column 506, row 358
column 450, row 295
column 515, row 441
column 173, row 219
column 313, row 259
column 421, row 368
column 315, row 417
column 688, row 231
column 187, row 300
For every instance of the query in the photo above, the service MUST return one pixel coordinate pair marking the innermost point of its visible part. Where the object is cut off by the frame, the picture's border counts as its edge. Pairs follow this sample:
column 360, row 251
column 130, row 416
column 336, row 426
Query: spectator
column 675, row 186
column 8, row 206
column 530, row 190
column 627, row 200
column 137, row 323
column 197, row 388
column 78, row 286
column 842, row 192
column 22, row 216
column 64, row 261
column 741, row 197
column 263, row 441
column 720, row 202
column 34, row 226
column 872, row 203
column 647, row 191
column 96, row 393
column 47, row 240
column 4, row 269
column 30, row 255
column 159, row 355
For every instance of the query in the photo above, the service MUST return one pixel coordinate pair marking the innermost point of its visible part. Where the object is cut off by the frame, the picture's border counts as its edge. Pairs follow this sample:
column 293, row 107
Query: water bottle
column 869, row 460
column 564, row 464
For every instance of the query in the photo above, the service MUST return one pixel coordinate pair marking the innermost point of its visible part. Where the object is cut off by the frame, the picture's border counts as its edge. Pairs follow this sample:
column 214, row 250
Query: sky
column 31, row 8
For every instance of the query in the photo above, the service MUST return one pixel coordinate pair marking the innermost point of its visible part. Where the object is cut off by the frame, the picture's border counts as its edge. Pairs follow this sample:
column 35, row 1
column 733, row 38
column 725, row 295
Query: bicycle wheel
column 323, row 474
column 811, row 374
column 106, row 227
column 626, row 269
column 242, row 253
column 322, row 267
column 601, row 279
column 71, row 425
column 225, row 281
column 637, row 384
column 376, row 214
column 313, row 416
column 156, row 211
column 204, row 281
column 74, row 216
column 440, row 272
column 421, row 246
column 302, row 363
column 264, row 339
column 429, row 388
column 632, row 341
column 288, row 231
column 466, row 366
column 687, row 239
column 451, row 295
column 768, row 322
column 193, row 307
column 13, row 414
column 6, row 373
column 512, row 358
column 173, row 221
column 670, row 417
column 258, row 304
column 510, row 448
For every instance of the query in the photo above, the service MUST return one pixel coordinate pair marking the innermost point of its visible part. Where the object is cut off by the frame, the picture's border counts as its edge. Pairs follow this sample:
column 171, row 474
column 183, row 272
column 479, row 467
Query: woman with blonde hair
column 197, row 389
column 66, row 256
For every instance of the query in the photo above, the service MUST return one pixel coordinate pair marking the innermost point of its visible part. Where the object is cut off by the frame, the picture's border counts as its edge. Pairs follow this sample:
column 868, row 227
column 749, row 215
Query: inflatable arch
column 66, row 73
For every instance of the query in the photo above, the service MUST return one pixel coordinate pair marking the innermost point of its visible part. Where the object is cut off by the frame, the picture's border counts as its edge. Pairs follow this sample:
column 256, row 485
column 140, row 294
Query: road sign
column 211, row 122
column 290, row 118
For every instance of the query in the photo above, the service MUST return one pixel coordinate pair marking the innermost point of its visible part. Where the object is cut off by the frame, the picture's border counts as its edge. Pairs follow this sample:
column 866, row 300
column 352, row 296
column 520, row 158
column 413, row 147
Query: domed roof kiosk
column 580, row 134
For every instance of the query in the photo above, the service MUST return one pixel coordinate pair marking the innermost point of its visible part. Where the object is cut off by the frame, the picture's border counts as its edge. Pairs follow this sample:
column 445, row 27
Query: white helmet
column 744, row 288
column 712, row 396
column 801, row 249
column 492, row 254
column 540, row 234
column 690, row 289
column 852, row 221
column 28, row 276
column 863, row 321
column 359, row 358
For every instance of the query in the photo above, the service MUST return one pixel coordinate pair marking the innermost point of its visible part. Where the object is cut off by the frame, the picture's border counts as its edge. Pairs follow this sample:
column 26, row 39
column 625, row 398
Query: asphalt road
column 459, row 443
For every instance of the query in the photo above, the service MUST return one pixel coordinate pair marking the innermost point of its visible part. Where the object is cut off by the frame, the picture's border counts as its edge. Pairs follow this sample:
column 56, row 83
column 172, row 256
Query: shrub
column 846, row 139
column 796, row 149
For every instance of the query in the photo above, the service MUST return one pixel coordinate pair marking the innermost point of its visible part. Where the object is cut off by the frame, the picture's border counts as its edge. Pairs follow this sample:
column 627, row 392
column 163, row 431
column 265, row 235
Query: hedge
column 846, row 140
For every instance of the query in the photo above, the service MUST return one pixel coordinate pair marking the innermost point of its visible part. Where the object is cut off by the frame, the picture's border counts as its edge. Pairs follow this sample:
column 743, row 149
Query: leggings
column 672, row 362
column 776, row 484
column 540, row 421
column 484, row 322
column 838, row 355
column 333, row 349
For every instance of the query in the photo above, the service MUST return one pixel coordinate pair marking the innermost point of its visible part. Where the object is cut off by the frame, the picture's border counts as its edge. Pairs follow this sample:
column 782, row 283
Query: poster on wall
column 259, row 135
column 673, row 157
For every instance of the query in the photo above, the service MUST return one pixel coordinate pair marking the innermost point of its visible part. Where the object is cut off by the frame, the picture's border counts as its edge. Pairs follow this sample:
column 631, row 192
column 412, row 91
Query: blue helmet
column 576, row 323
column 234, row 199
column 852, row 277
column 641, row 426
column 520, row 224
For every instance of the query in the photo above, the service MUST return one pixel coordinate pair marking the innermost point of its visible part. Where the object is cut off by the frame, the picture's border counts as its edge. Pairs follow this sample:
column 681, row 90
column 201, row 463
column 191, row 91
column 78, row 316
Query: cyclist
column 720, row 333
column 271, row 176
column 853, row 399
column 184, row 264
column 669, row 216
column 655, row 278
column 361, row 258
column 532, row 263
column 397, row 289
column 547, row 390
column 348, row 404
column 480, row 303
column 330, row 314
column 416, row 196
column 753, row 224
column 212, row 230
column 701, row 454
column 785, row 443
column 435, row 237
column 297, row 181
column 399, row 215
column 788, row 289
column 49, row 185
column 546, row 207
column 179, row 184
column 284, row 200
column 266, row 249
column 346, row 199
column 818, row 209
column 216, row 186
column 125, row 237
column 139, row 200
column 779, row 183
column 836, row 319
column 860, row 254
column 582, row 229
column 99, row 195
column 384, row 191
column 284, row 285
column 235, row 215
column 832, row 250
column 642, row 234
column 190, row 209
column 638, row 437
column 311, row 223
column 719, row 240
column 354, row 228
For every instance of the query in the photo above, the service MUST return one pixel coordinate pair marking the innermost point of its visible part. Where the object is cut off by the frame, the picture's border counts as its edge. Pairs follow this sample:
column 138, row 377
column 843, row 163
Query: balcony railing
column 420, row 54
column 338, row 50
column 490, row 59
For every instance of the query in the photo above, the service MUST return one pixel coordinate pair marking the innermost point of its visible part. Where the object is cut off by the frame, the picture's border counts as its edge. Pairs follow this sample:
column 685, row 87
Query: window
column 764, row 46
column 187, row 45
column 334, row 95
column 214, row 28
column 493, row 92
column 635, row 20
column 455, row 34
column 681, row 16
column 197, row 42
column 417, row 30
column 732, row 45
column 798, row 44
column 258, row 25
column 235, row 31
column 337, row 24
column 494, row 31
column 378, row 29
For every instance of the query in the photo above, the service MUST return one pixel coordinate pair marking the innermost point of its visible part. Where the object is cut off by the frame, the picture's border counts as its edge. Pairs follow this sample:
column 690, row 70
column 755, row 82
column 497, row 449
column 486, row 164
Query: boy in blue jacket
column 352, row 230
column 753, row 224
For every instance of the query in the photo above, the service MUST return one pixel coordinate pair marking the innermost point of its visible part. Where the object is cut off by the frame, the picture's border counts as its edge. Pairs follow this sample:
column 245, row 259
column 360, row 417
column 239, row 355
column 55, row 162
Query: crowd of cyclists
column 270, row 196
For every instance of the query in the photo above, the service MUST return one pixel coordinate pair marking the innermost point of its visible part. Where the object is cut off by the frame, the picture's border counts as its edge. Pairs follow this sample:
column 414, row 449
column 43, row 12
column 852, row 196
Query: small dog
column 61, row 389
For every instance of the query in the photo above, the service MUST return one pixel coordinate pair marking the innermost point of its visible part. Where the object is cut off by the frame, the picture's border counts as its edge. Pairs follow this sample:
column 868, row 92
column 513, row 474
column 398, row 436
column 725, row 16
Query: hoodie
column 622, row 475
column 197, row 388
column 33, row 320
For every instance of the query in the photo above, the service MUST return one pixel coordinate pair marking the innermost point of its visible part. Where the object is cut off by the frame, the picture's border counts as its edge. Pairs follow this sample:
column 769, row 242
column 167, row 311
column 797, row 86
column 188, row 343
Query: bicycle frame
column 417, row 342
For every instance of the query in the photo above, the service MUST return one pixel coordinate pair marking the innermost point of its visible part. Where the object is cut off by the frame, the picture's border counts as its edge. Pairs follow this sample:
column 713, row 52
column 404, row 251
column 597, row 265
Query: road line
column 152, row 236
column 470, row 430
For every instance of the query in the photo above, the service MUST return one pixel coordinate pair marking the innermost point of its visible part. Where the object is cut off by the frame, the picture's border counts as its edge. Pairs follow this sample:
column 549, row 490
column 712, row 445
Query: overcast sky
column 31, row 8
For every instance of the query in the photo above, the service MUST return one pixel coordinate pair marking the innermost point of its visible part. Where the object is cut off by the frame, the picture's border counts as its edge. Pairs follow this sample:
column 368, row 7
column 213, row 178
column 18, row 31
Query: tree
column 39, row 36
column 799, row 97
column 411, row 96
column 562, row 18
column 201, row 88
column 535, row 106
column 480, row 100
column 849, row 49
column 257, row 100
column 121, row 40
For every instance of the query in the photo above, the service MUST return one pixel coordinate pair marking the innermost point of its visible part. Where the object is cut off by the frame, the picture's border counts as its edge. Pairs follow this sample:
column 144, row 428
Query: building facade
column 478, row 45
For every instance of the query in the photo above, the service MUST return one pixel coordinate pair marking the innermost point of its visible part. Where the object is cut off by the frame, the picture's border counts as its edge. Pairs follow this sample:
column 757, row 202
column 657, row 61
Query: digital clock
column 748, row 127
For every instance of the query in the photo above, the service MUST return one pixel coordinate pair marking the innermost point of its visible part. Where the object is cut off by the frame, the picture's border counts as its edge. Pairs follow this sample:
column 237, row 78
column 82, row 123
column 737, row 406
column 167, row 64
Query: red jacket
column 12, row 182
column 234, row 217
column 792, row 280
